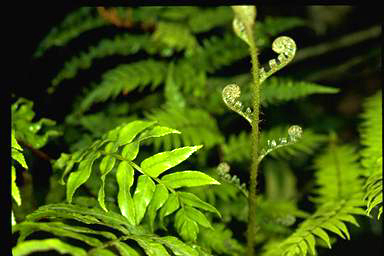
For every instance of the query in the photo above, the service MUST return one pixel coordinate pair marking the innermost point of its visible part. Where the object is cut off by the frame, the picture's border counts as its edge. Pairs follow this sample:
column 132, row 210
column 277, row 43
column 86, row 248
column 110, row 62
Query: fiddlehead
column 231, row 93
column 286, row 48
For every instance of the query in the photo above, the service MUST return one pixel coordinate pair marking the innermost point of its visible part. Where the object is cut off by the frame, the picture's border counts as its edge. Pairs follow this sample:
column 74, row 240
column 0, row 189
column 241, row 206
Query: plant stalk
column 255, row 92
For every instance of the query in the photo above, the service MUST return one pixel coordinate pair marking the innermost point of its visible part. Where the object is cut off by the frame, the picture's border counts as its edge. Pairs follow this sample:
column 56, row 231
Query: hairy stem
column 255, row 91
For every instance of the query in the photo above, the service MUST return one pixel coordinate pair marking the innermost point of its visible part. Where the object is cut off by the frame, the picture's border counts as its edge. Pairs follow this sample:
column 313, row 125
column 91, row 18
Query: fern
column 76, row 23
column 237, row 148
column 372, row 154
column 124, row 44
column 280, row 90
column 339, row 197
column 188, row 122
column 117, row 232
column 124, row 79
column 118, row 148
column 25, row 129
column 206, row 19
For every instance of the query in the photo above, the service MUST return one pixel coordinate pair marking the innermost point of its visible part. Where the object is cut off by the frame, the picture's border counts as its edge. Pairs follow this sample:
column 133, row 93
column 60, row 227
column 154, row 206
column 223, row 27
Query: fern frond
column 124, row 44
column 337, row 174
column 275, row 25
column 237, row 148
column 339, row 197
column 206, row 19
column 189, row 122
column 279, row 90
column 124, row 79
column 115, row 153
column 76, row 23
column 330, row 216
column 371, row 132
column 176, row 36
column 28, row 131
column 220, row 240
column 96, row 240
column 372, row 153
column 214, row 52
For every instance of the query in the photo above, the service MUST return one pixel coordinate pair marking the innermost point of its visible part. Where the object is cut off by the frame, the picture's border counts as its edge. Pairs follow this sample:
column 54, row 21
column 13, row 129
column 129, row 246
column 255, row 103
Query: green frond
column 114, row 154
column 337, row 173
column 124, row 44
column 371, row 132
column 189, row 122
column 28, row 131
column 124, row 79
column 205, row 19
column 103, row 238
column 238, row 146
column 220, row 240
column 372, row 153
column 275, row 25
column 76, row 23
column 279, row 90
column 214, row 53
column 175, row 36
column 330, row 216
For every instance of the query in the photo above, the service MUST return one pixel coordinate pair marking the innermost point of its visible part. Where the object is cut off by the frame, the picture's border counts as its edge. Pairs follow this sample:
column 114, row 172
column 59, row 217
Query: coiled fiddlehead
column 231, row 93
column 286, row 48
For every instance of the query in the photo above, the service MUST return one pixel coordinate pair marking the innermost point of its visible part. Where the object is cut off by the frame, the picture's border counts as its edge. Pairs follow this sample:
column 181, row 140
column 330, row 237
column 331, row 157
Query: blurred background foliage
column 338, row 46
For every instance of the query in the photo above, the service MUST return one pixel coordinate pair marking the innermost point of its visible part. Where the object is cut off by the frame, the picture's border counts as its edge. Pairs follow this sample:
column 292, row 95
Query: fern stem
column 255, row 92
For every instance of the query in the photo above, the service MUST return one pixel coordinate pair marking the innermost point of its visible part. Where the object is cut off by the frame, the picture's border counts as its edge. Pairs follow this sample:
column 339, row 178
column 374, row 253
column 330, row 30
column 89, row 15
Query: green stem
column 255, row 92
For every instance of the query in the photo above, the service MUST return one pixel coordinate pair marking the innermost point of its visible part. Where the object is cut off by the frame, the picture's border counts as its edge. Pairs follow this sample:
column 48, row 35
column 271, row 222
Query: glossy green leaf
column 159, row 163
column 125, row 250
column 310, row 239
column 14, row 188
column 192, row 200
column 129, row 131
column 28, row 247
column 58, row 229
column 187, row 179
column 143, row 195
column 106, row 166
column 197, row 216
column 14, row 143
column 79, row 177
column 101, row 252
column 19, row 157
column 152, row 248
column 124, row 177
column 171, row 205
column 177, row 246
column 157, row 131
column 159, row 198
column 186, row 227
column 131, row 150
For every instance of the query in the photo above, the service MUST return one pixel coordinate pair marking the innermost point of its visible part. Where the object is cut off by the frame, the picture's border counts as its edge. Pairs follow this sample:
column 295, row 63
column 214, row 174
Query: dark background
column 30, row 78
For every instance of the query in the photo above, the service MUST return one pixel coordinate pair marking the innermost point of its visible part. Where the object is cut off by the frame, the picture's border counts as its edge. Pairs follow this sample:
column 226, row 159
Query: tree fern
column 372, row 154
